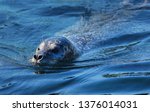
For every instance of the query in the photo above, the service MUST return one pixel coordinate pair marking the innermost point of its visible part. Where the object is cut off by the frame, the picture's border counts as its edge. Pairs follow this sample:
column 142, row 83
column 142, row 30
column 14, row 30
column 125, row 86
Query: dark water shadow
column 64, row 10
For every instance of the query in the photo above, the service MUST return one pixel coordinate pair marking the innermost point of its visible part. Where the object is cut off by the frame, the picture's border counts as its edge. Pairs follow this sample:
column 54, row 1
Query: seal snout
column 38, row 57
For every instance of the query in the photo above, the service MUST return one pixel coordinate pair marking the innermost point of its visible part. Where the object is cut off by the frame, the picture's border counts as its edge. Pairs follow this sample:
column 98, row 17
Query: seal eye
column 38, row 49
column 55, row 50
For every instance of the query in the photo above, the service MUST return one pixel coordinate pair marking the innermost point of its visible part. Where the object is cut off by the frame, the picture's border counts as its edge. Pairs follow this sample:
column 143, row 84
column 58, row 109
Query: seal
column 54, row 50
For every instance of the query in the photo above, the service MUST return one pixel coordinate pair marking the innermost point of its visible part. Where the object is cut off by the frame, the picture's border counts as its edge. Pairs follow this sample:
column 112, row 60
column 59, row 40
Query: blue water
column 114, row 36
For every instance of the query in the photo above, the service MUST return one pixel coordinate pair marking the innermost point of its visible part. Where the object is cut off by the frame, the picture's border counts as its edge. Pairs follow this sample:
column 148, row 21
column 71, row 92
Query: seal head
column 54, row 50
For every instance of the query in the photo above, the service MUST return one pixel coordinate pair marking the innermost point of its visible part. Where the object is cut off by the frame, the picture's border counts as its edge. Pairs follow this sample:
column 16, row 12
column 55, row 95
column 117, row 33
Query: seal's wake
column 101, row 26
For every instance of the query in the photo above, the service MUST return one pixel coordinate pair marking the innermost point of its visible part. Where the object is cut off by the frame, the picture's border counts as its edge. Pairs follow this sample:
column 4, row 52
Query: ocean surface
column 114, row 36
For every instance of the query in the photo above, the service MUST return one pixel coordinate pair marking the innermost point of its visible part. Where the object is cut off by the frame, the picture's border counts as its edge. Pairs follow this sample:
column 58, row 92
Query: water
column 113, row 36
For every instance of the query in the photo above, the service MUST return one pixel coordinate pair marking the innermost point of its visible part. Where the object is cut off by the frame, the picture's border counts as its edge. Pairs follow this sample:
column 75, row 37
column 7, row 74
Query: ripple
column 140, row 7
column 64, row 10
column 11, row 54
column 135, row 66
column 129, row 85
column 127, row 74
column 125, row 39
column 5, row 86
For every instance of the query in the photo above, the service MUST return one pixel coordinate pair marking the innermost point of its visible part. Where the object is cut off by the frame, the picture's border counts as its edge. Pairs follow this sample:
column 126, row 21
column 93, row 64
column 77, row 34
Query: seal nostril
column 35, row 57
column 40, row 57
